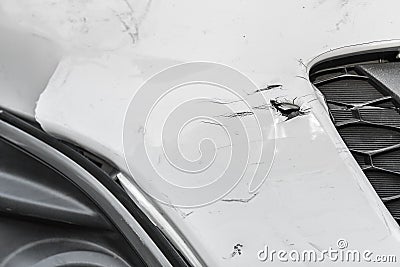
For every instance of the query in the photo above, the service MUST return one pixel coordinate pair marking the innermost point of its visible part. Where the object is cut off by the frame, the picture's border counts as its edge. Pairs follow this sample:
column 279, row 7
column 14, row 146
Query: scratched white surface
column 315, row 193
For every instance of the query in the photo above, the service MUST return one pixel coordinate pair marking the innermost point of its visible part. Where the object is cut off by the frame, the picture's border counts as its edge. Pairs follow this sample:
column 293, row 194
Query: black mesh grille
column 367, row 117
column 385, row 183
column 368, row 137
column 388, row 161
column 362, row 159
column 342, row 90
column 388, row 117
column 342, row 115
column 394, row 208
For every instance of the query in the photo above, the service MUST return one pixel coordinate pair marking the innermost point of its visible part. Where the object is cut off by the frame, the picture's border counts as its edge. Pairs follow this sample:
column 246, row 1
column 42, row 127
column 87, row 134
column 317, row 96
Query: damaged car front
column 213, row 133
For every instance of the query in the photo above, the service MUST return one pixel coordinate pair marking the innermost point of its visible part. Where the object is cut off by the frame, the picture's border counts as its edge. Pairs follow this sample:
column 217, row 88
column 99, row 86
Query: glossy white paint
column 315, row 192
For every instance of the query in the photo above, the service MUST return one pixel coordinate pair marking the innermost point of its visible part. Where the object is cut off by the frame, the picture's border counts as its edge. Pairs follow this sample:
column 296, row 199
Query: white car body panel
column 315, row 192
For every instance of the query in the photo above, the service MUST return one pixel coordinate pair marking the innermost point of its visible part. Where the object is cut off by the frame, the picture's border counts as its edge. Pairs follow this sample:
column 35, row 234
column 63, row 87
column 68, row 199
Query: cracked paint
column 269, row 87
column 239, row 114
column 240, row 200
column 289, row 109
column 237, row 251
column 314, row 192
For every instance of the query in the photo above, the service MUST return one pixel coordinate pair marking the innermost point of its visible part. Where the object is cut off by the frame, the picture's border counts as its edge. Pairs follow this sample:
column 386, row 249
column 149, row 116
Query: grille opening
column 366, row 114
column 342, row 90
column 368, row 138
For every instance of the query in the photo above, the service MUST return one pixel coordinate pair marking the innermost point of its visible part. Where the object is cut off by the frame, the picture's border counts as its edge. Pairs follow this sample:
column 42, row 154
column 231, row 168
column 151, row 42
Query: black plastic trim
column 173, row 256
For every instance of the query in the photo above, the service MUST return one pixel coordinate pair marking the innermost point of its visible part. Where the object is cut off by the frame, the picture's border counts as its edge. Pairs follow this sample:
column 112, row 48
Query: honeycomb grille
column 367, row 118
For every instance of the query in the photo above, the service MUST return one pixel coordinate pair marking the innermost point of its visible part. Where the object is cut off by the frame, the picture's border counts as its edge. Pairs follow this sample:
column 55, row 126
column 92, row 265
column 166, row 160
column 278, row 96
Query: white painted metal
column 315, row 192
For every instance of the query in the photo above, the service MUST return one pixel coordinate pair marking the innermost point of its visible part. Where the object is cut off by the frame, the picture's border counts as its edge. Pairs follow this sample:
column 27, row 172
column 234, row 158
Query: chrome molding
column 160, row 220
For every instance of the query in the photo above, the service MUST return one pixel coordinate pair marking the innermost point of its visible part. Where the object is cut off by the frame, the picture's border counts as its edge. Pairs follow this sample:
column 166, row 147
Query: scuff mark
column 146, row 11
column 344, row 3
column 132, row 30
column 257, row 163
column 315, row 246
column 221, row 147
column 141, row 130
column 264, row 106
column 225, row 102
column 342, row 21
column 181, row 213
column 129, row 21
column 239, row 114
column 213, row 123
column 269, row 87
column 388, row 228
column 185, row 215
column 237, row 250
column 66, row 77
column 302, row 77
column 129, row 5
column 302, row 63
column 240, row 200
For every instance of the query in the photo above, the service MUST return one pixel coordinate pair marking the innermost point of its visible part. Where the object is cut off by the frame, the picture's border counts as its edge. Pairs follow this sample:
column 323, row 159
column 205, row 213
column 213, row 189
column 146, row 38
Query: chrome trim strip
column 160, row 220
